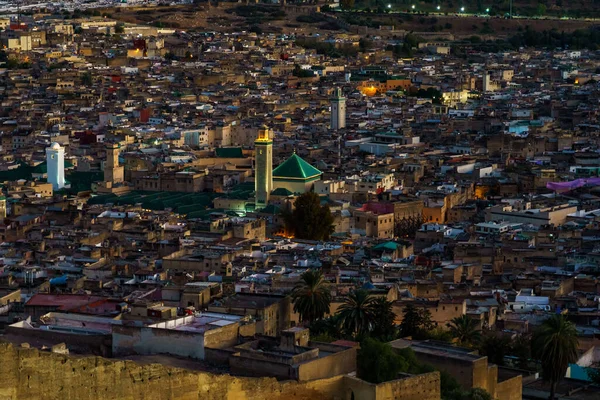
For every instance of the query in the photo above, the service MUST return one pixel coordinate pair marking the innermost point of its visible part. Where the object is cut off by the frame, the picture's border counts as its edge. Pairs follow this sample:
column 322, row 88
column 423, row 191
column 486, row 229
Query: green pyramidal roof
column 295, row 167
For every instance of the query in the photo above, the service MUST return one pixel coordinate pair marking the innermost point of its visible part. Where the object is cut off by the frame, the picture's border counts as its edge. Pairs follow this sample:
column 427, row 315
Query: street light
column 487, row 10
column 462, row 9
column 389, row 6
column 413, row 7
column 438, row 8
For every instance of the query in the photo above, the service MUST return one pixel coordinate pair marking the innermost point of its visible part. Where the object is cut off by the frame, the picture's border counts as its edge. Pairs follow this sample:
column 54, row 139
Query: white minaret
column 55, row 161
column 338, row 110
column 487, row 82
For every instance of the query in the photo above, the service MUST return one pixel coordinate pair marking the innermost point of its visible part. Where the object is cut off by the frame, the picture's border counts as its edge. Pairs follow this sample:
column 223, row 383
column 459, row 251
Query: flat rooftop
column 198, row 323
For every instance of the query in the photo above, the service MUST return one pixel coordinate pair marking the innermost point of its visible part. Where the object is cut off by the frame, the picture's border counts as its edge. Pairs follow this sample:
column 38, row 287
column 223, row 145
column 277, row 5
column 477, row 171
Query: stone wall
column 510, row 389
column 32, row 374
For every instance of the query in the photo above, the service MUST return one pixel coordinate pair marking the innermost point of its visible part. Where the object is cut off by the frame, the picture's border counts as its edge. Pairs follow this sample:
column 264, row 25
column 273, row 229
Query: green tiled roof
column 229, row 152
column 42, row 168
column 295, row 168
column 281, row 192
column 387, row 246
column 271, row 209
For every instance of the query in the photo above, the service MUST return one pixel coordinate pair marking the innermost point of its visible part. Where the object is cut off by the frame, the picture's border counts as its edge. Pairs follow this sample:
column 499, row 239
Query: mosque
column 294, row 174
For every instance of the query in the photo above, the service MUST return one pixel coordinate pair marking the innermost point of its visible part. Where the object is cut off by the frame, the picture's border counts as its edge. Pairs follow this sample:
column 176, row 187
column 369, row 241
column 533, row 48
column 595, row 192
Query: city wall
column 32, row 374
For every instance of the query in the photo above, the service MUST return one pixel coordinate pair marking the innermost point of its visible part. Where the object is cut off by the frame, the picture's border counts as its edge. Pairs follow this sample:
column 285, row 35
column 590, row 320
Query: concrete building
column 555, row 215
column 338, row 110
column 263, row 181
column 186, row 336
column 55, row 161
column 294, row 357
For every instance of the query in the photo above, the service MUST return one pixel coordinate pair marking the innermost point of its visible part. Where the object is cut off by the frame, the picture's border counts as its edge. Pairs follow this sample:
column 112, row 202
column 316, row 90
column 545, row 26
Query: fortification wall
column 32, row 374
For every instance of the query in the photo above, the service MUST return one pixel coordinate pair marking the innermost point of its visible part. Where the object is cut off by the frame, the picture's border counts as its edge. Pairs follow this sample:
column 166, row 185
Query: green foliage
column 365, row 44
column 357, row 313
column 495, row 348
column 329, row 327
column 328, row 49
column 554, row 344
column 464, row 329
column 86, row 79
column 258, row 14
column 593, row 373
column 302, row 73
column 521, row 348
column 256, row 29
column 323, row 337
column 384, row 326
column 347, row 4
column 311, row 296
column 377, row 362
column 311, row 18
column 310, row 220
column 119, row 28
column 438, row 333
column 541, row 9
column 579, row 39
column 415, row 322
column 472, row 394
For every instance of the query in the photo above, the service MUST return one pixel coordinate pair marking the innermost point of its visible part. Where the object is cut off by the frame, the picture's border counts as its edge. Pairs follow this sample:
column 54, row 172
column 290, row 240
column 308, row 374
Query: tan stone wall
column 510, row 389
column 31, row 374
column 420, row 387
column 343, row 362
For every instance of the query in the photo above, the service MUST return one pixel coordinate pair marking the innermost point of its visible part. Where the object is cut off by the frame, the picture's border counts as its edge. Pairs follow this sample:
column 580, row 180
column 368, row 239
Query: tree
column 471, row 394
column 541, row 10
column 119, row 28
column 414, row 321
column 554, row 344
column 347, row 4
column 377, row 362
column 495, row 348
column 464, row 329
column 311, row 296
column 86, row 79
column 365, row 44
column 521, row 348
column 357, row 313
column 310, row 220
column 327, row 327
column 384, row 327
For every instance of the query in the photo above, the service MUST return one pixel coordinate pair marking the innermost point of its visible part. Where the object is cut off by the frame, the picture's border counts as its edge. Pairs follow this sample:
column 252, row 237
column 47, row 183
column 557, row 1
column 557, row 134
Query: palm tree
column 311, row 296
column 464, row 329
column 555, row 343
column 357, row 313
column 384, row 326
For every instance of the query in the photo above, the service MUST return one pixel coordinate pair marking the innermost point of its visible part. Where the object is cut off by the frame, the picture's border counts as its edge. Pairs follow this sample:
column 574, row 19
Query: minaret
column 55, row 162
column 263, row 173
column 338, row 110
column 2, row 208
column 487, row 84
column 113, row 172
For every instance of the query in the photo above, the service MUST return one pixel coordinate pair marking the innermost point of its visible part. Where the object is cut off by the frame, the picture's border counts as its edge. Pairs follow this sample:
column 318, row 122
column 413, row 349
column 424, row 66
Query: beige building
column 374, row 225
